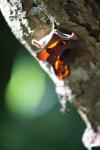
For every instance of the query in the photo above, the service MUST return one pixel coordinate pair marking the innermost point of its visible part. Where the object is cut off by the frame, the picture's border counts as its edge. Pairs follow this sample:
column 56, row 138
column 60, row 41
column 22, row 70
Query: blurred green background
column 29, row 108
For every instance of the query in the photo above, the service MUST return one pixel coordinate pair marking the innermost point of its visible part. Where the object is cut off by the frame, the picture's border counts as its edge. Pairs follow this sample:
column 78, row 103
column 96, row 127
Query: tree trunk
column 82, row 17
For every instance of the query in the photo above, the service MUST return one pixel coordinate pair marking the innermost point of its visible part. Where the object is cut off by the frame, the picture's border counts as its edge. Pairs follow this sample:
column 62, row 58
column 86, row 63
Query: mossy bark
column 83, row 18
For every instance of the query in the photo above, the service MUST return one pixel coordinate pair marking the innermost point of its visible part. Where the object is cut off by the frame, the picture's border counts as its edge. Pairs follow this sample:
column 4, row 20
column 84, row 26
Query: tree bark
column 83, row 18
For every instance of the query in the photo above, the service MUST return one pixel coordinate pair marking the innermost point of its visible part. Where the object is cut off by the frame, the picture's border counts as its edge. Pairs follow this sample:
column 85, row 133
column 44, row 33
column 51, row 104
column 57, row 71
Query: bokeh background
column 29, row 110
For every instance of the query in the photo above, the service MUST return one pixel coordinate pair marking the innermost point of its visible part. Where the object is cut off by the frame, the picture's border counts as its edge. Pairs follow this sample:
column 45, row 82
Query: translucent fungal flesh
column 53, row 50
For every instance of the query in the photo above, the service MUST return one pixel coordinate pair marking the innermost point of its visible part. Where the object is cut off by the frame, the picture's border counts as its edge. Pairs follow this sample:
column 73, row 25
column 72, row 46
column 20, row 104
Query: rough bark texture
column 83, row 18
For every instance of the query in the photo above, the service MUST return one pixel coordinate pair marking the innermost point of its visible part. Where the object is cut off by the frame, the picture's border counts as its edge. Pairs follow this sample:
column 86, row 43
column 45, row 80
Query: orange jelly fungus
column 61, row 69
column 53, row 53
column 55, row 47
